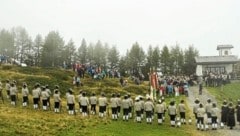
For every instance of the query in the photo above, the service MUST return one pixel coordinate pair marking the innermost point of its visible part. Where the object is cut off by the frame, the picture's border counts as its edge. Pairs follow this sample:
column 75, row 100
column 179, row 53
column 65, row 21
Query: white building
column 224, row 63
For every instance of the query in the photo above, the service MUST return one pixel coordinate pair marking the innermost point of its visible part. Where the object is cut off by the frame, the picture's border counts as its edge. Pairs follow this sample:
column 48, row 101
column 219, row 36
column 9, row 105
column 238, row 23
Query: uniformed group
column 104, row 106
column 227, row 114
column 128, row 106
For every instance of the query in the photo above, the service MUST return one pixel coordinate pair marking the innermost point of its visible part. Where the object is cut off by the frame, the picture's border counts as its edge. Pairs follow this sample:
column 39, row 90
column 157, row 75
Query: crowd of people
column 123, row 106
column 216, row 80
column 117, row 106
column 227, row 114
column 174, row 86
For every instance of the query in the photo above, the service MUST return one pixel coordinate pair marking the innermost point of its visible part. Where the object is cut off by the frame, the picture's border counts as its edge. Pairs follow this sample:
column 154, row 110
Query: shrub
column 7, row 67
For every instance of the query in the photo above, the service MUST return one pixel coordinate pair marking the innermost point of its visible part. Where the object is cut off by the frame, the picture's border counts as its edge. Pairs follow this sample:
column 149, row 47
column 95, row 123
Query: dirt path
column 193, row 94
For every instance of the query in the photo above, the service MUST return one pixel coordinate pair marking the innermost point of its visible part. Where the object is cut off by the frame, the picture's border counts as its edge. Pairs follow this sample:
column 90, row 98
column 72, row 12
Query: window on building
column 215, row 70
column 225, row 52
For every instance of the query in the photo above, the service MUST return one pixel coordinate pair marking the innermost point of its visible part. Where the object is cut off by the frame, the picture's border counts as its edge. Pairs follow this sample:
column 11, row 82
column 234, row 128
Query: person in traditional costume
column 230, row 116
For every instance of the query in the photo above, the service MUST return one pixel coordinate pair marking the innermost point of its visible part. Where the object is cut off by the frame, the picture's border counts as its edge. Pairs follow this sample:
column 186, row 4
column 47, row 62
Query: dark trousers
column 114, row 110
column 25, row 99
column 182, row 115
column 148, row 114
column 160, row 115
column 138, row 113
column 200, row 120
column 71, row 106
column 56, row 105
column 35, row 100
column 172, row 117
column 102, row 109
column 84, row 109
column 125, row 112
column 214, row 120
column 93, row 107
column 13, row 98
column 44, row 102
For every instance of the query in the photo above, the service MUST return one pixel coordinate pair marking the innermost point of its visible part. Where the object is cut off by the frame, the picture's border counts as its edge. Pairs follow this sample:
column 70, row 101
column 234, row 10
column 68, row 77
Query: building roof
column 227, row 46
column 216, row 59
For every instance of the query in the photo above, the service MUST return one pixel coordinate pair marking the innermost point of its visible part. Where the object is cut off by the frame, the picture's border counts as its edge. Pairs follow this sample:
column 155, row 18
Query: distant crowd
column 216, row 80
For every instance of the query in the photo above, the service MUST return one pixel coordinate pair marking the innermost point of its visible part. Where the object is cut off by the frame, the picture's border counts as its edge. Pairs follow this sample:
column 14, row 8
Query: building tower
column 224, row 50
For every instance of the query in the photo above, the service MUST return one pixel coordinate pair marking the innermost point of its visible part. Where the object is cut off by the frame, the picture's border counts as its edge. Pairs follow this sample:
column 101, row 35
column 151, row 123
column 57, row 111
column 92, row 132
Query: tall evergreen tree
column 165, row 60
column 113, row 57
column 7, row 43
column 82, row 52
column 37, row 47
column 22, row 41
column 177, row 60
column 69, row 53
column 189, row 63
column 123, row 66
column 90, row 53
column 52, row 49
column 99, row 55
column 136, row 58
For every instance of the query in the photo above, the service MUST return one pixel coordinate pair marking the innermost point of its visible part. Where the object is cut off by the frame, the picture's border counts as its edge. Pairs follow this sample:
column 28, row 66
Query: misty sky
column 203, row 23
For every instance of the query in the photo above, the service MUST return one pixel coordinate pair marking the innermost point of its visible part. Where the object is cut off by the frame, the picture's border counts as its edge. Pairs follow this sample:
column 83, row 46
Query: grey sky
column 203, row 23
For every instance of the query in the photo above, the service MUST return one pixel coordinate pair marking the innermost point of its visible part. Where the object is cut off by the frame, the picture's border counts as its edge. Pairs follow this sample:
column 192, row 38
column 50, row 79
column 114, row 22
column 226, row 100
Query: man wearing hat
column 79, row 100
column 57, row 101
column 182, row 111
column 131, row 105
column 114, row 104
column 195, row 107
column 125, row 106
column 13, row 94
column 84, row 102
column 208, row 109
column 165, row 108
column 44, row 96
column 172, row 112
column 214, row 114
column 119, row 102
column 49, row 96
column 149, row 107
column 93, row 103
column 142, row 106
column 160, row 111
column 137, row 107
column 36, row 96
column 25, row 93
column 102, row 105
column 71, row 102
column 200, row 117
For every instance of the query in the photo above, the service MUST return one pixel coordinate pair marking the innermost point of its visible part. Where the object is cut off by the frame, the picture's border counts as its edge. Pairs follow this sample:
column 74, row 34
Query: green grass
column 229, row 92
column 27, row 122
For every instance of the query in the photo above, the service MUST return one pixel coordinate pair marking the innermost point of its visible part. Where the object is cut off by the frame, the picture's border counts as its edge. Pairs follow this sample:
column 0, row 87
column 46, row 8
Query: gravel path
column 193, row 94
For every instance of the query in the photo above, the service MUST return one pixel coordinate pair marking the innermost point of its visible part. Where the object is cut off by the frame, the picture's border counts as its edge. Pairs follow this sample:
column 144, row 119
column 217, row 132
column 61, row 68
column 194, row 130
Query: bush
column 7, row 67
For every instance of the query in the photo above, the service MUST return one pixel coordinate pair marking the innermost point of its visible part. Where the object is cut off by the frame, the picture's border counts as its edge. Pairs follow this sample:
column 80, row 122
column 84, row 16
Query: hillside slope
column 27, row 121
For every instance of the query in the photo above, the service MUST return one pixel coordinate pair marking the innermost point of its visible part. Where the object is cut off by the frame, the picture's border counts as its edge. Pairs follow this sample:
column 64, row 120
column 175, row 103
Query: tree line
column 52, row 51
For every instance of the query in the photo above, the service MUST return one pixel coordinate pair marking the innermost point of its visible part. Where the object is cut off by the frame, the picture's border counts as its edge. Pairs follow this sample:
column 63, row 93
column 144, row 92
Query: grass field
column 229, row 92
column 26, row 121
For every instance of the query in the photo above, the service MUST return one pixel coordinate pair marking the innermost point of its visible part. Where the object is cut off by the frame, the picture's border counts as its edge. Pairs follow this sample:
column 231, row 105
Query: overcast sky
column 203, row 23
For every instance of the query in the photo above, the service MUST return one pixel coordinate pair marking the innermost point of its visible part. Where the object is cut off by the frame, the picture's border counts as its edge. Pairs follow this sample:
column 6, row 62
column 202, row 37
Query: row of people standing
column 139, row 107
column 227, row 114
column 116, row 104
